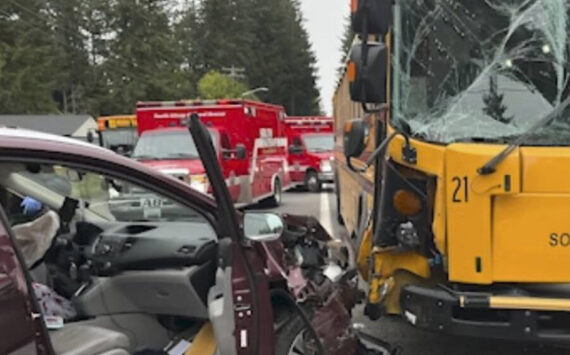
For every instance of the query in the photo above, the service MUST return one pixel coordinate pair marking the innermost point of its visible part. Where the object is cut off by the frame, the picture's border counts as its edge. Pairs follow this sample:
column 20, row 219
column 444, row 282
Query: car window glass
column 103, row 196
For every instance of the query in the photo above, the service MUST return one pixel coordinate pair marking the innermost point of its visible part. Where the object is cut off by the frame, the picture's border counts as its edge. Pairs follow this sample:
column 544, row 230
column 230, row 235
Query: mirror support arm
column 370, row 161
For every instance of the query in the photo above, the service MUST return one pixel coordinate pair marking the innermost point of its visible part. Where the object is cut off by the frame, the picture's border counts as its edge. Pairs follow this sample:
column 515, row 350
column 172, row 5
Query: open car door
column 239, row 303
column 22, row 330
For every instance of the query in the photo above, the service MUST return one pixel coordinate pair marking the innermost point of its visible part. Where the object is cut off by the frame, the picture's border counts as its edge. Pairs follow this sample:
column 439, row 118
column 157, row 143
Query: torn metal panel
column 481, row 70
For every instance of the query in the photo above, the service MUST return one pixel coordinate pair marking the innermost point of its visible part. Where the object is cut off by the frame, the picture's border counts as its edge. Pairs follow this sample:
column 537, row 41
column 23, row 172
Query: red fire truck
column 249, row 138
column 311, row 142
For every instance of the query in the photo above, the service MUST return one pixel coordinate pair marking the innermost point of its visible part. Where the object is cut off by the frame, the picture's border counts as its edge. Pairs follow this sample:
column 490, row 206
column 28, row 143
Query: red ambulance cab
column 311, row 142
column 248, row 136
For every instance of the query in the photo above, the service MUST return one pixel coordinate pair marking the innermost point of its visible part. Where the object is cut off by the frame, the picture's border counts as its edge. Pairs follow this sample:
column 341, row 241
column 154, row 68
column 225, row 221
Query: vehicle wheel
column 277, row 198
column 312, row 182
column 293, row 340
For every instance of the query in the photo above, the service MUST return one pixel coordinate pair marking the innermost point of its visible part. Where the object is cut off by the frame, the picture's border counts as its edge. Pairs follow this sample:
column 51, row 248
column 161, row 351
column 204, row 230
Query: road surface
column 413, row 341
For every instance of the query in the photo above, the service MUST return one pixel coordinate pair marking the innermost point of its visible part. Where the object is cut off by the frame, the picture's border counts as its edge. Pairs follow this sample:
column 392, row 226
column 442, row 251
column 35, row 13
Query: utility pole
column 236, row 73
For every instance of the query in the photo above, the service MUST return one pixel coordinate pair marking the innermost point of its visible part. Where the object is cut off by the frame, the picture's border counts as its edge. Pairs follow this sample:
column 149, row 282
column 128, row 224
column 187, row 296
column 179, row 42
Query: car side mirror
column 241, row 153
column 376, row 13
column 263, row 227
column 295, row 149
column 355, row 138
column 368, row 82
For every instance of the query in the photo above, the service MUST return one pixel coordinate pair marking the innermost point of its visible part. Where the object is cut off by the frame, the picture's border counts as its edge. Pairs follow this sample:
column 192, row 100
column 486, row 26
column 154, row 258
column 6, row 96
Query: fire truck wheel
column 312, row 182
column 277, row 197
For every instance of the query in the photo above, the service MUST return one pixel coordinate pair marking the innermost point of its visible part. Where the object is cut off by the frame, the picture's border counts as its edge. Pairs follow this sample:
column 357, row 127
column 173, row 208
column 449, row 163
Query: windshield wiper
column 181, row 155
column 491, row 166
column 143, row 157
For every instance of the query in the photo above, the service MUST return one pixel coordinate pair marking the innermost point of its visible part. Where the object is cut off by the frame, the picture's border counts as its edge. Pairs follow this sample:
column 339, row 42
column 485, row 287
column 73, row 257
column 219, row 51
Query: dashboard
column 119, row 247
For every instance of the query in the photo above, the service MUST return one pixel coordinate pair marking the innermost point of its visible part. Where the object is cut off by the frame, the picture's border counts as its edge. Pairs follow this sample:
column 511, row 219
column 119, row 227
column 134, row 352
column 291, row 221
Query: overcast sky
column 324, row 20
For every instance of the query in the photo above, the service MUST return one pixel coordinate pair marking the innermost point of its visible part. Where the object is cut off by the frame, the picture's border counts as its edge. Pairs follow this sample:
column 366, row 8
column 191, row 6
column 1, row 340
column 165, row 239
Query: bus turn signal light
column 351, row 71
column 407, row 203
column 353, row 6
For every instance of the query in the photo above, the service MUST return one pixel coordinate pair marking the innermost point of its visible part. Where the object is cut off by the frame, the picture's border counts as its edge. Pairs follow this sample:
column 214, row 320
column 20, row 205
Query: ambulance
column 248, row 136
column 311, row 145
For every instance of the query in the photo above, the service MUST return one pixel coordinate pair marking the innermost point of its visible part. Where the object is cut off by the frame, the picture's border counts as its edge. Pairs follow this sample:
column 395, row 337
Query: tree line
column 102, row 56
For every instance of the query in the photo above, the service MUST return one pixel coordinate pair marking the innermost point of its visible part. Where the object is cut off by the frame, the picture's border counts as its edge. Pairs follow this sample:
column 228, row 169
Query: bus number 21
column 461, row 190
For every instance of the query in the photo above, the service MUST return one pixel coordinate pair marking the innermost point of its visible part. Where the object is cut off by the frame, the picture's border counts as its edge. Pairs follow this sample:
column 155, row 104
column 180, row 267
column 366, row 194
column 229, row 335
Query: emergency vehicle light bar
column 184, row 103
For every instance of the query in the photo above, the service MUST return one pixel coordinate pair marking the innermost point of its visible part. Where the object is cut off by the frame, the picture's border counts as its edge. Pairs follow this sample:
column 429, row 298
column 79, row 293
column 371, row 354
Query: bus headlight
column 326, row 166
column 199, row 182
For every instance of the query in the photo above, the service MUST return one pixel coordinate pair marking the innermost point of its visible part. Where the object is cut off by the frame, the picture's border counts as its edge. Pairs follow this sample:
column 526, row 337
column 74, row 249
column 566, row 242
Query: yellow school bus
column 454, row 162
column 354, row 191
column 118, row 133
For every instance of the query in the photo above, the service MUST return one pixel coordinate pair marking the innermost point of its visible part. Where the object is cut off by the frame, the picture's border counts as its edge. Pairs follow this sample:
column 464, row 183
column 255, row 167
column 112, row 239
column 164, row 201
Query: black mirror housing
column 377, row 14
column 368, row 83
column 355, row 138
column 241, row 152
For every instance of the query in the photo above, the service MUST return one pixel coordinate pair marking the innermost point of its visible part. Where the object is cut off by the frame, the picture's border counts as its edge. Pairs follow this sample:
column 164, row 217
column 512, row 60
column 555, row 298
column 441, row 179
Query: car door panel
column 21, row 328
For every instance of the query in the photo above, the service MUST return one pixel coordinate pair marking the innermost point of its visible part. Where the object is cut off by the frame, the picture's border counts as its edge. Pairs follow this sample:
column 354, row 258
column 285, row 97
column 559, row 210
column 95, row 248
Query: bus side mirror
column 355, row 138
column 368, row 82
column 241, row 153
column 376, row 13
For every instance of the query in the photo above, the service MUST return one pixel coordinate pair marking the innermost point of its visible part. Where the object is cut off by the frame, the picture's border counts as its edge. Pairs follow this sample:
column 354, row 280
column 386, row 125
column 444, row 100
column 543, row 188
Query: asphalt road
column 412, row 340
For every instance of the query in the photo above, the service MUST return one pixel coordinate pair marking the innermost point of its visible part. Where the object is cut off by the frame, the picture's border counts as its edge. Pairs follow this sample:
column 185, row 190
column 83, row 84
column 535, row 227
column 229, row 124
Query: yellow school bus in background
column 118, row 133
column 453, row 164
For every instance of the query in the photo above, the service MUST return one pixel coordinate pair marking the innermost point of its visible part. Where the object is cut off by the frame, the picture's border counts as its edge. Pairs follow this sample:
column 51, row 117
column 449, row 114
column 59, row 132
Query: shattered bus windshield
column 481, row 70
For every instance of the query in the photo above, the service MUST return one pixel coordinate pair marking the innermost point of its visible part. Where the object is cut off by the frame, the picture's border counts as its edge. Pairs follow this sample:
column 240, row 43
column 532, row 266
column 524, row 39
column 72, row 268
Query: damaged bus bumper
column 510, row 317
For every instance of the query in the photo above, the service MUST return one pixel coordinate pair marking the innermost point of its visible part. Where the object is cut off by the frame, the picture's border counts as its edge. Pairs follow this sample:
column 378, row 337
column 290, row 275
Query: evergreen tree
column 188, row 32
column 225, row 35
column 144, row 61
column 494, row 107
column 27, row 58
column 72, row 56
column 283, row 59
column 97, row 15
column 346, row 44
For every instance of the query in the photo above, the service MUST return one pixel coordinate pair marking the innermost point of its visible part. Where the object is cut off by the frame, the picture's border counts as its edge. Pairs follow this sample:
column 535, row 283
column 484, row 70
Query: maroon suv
column 102, row 255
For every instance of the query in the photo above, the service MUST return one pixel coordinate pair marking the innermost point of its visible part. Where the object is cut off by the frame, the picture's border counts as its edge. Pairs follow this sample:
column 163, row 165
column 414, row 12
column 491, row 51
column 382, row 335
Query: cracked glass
column 481, row 70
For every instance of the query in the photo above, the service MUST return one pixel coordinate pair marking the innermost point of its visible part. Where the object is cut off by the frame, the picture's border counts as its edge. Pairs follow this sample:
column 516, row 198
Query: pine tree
column 346, row 44
column 144, row 61
column 97, row 16
column 27, row 58
column 494, row 107
column 225, row 35
column 72, row 56
column 188, row 32
column 283, row 59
